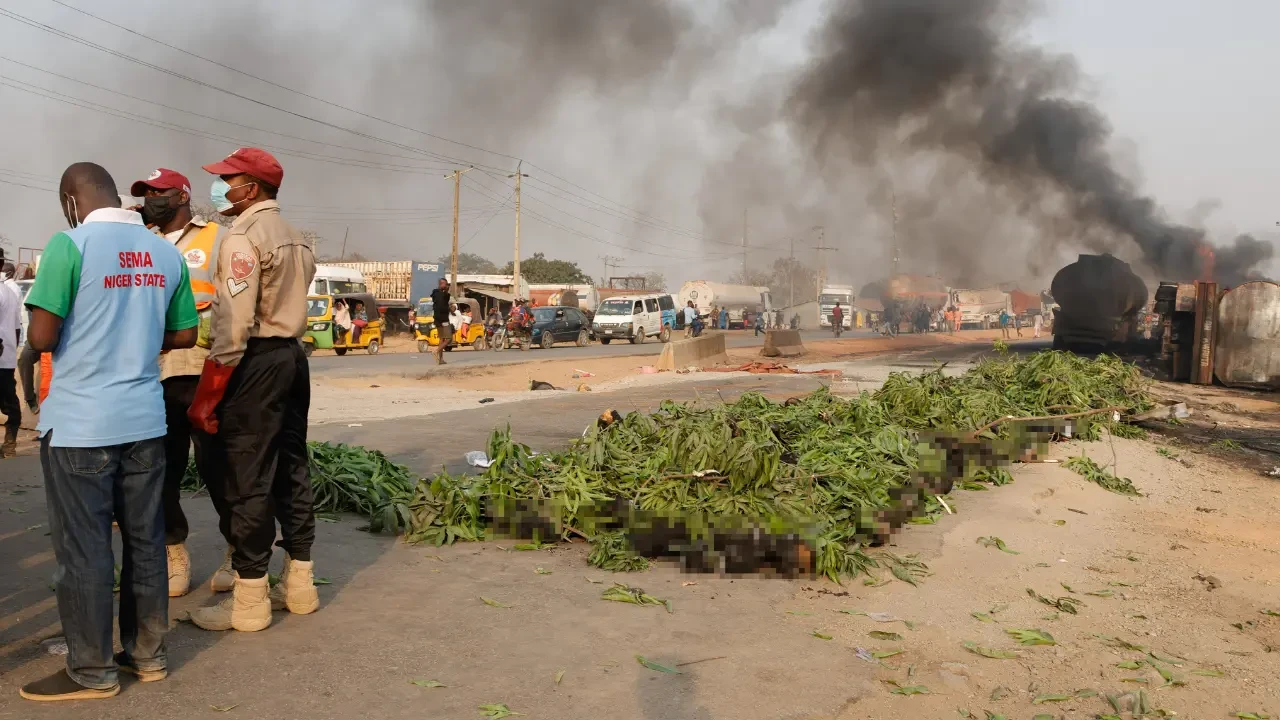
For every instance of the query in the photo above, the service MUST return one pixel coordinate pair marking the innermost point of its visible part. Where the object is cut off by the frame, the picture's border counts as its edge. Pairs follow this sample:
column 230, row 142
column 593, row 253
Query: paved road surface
column 326, row 364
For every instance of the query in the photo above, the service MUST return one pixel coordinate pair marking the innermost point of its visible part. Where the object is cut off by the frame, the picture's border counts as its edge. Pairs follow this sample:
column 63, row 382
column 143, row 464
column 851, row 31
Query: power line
column 125, row 56
column 399, row 156
column 284, row 87
column 669, row 226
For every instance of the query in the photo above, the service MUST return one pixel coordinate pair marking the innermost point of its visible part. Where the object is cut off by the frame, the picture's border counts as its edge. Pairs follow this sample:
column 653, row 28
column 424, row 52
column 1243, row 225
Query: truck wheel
column 340, row 351
column 605, row 341
column 373, row 347
column 424, row 347
column 665, row 335
column 638, row 338
column 582, row 338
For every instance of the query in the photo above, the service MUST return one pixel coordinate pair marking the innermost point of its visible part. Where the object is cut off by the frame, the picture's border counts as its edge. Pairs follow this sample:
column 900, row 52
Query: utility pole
column 609, row 261
column 453, row 258
column 791, row 274
column 345, row 233
column 894, row 195
column 744, row 247
column 822, row 268
column 515, row 281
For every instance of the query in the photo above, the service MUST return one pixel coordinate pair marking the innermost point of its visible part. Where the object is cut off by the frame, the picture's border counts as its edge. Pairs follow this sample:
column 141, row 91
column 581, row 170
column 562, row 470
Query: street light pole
column 515, row 280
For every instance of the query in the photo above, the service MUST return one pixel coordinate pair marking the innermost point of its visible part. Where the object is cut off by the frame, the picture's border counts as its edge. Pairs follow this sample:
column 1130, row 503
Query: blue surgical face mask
column 218, row 195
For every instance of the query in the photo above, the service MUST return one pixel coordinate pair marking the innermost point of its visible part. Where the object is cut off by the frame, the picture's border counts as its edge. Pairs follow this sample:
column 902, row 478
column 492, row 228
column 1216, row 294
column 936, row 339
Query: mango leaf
column 1129, row 665
column 1272, row 613
column 1252, row 716
column 982, row 617
column 993, row 653
column 223, row 708
column 1031, row 637
column 1209, row 673
column 1104, row 593
column 881, row 635
column 542, row 571
column 997, row 543
column 995, row 716
column 820, row 636
column 882, row 654
column 428, row 683
column 1000, row 693
column 1086, row 693
column 911, row 690
column 559, row 676
column 1042, row 699
column 904, row 575
column 656, row 666
column 1043, row 716
column 321, row 581
column 493, row 603
column 497, row 711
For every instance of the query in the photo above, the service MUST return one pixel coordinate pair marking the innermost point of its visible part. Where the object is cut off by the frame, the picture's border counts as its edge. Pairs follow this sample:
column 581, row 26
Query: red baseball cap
column 250, row 161
column 161, row 179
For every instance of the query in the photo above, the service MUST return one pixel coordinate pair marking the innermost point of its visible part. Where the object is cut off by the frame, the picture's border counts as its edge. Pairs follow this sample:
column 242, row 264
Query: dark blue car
column 560, row 323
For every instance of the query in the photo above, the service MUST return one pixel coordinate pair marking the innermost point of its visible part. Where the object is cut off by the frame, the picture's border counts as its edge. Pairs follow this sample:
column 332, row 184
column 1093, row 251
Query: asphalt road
column 355, row 364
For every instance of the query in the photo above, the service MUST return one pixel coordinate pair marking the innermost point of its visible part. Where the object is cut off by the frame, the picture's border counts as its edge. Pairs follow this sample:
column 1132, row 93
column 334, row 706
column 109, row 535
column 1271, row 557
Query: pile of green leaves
column 1094, row 473
column 820, row 460
column 351, row 479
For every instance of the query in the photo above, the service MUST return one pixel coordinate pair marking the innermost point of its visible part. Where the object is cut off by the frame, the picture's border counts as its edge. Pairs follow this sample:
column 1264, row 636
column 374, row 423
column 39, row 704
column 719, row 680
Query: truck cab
column 827, row 299
column 335, row 280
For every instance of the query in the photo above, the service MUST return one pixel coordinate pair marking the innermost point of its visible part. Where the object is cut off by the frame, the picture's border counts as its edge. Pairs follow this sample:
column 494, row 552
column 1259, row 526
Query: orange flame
column 1205, row 251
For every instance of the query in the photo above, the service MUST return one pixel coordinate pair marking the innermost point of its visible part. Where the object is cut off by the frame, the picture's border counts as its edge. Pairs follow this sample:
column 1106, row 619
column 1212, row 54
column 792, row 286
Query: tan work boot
column 179, row 569
column 224, row 578
column 247, row 610
column 10, row 447
column 296, row 590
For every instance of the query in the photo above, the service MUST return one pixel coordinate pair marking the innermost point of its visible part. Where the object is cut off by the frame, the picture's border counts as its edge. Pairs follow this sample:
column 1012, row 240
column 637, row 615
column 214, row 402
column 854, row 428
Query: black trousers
column 262, row 439
column 27, row 362
column 9, row 406
column 179, row 439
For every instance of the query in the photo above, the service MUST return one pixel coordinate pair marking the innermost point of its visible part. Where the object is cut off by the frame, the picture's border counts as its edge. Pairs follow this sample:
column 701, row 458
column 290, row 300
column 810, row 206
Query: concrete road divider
column 782, row 343
column 704, row 351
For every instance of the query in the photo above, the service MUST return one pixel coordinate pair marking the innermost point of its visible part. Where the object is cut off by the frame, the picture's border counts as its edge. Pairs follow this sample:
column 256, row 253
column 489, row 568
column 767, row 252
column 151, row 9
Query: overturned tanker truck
column 1099, row 302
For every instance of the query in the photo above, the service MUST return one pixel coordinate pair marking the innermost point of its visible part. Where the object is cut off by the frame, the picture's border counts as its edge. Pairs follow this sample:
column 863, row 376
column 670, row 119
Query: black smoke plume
column 951, row 78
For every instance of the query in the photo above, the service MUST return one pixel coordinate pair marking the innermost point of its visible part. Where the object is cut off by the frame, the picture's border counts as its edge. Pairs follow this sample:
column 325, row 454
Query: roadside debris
column 1211, row 583
column 758, row 367
column 540, row 385
column 477, row 458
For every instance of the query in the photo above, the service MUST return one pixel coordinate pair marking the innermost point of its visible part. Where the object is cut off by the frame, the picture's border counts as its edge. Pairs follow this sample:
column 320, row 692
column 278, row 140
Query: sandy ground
column 1185, row 571
column 454, row 388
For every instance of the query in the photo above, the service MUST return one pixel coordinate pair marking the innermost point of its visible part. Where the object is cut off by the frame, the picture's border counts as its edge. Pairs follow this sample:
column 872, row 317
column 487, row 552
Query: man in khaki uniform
column 255, row 391
column 166, row 209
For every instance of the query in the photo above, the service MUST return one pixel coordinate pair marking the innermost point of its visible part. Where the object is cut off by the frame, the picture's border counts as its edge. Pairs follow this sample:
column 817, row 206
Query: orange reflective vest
column 46, row 375
column 200, row 251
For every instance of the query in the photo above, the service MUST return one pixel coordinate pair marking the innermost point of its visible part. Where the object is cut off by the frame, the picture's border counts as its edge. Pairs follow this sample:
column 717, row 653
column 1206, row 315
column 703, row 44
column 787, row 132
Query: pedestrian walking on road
column 255, row 392
column 724, row 318
column 837, row 319
column 758, row 323
column 690, row 314
column 1017, row 324
column 441, row 315
column 109, row 297
column 10, row 346
column 1004, row 324
column 1037, row 324
column 166, row 209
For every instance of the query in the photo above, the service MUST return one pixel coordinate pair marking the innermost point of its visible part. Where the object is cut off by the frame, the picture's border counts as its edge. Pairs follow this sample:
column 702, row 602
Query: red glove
column 213, row 385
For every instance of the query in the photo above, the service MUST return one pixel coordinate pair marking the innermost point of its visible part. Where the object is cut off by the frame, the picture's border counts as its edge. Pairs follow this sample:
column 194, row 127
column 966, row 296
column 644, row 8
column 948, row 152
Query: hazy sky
column 620, row 165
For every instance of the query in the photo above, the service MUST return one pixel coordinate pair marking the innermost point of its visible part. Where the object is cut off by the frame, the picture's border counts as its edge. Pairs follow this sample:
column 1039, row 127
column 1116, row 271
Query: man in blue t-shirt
column 109, row 297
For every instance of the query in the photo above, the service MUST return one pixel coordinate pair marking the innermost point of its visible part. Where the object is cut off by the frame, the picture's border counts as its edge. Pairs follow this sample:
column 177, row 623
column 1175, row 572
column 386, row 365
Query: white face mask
column 73, row 212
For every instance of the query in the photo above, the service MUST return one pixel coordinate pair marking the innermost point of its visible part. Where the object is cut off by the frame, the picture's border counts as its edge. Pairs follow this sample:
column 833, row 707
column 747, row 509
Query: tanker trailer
column 1099, row 299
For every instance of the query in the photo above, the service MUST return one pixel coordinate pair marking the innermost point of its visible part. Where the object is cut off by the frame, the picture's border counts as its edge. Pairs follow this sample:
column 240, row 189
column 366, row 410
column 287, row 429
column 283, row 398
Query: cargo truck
column 737, row 299
column 979, row 308
column 827, row 299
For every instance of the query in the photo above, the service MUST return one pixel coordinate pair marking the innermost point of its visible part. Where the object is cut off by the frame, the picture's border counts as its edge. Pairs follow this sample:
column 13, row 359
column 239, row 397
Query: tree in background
column 539, row 270
column 472, row 264
column 655, row 281
column 781, row 278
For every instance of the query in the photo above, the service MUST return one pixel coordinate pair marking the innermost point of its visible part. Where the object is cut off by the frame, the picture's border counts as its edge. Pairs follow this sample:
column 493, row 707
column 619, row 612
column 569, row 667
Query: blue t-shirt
column 118, row 287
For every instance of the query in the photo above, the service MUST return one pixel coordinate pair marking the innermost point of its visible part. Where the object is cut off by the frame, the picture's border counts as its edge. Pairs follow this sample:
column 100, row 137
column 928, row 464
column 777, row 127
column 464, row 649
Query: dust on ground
column 1184, row 572
column 443, row 389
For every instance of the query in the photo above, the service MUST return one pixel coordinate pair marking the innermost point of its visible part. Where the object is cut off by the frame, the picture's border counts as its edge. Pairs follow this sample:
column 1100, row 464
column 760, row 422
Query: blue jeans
column 86, row 489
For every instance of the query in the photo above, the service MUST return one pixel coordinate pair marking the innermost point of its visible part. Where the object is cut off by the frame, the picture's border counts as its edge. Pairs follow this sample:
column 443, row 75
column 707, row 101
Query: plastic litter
column 478, row 458
column 55, row 646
